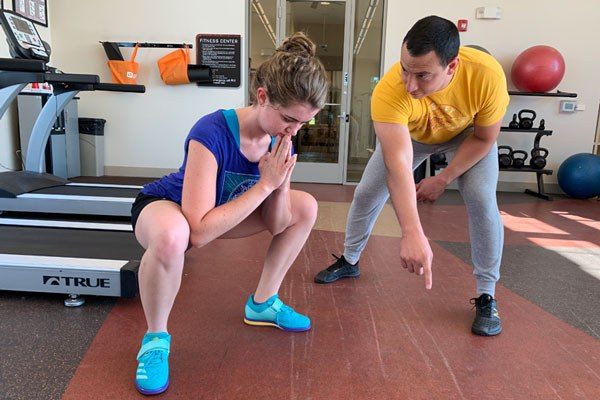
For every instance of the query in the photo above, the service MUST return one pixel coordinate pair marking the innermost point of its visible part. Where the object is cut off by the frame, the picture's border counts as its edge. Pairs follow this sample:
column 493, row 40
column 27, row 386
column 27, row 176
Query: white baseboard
column 141, row 172
column 550, row 188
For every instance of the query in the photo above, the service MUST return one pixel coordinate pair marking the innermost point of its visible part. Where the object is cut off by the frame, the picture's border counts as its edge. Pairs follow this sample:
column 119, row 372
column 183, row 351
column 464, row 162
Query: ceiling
column 302, row 11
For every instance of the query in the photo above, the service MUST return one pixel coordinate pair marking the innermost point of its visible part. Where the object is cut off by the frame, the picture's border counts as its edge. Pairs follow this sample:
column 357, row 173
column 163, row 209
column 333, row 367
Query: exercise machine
column 74, row 259
column 33, row 190
column 54, row 256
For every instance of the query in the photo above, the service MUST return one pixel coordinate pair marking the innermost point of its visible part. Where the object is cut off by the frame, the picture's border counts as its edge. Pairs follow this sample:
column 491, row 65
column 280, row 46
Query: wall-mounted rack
column 558, row 93
column 113, row 51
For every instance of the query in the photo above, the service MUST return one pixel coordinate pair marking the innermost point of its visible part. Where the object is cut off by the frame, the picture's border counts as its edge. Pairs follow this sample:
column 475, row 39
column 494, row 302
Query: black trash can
column 91, row 144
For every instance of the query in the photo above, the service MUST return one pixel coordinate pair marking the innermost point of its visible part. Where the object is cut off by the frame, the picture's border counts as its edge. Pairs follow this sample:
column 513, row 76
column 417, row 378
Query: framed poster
column 34, row 10
column 222, row 53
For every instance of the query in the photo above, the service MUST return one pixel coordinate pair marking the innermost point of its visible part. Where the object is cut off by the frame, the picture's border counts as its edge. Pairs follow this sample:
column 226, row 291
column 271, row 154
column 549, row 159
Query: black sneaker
column 487, row 320
column 339, row 269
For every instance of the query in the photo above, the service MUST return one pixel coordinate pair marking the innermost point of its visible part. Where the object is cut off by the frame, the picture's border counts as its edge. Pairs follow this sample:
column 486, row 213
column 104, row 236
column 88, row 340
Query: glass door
column 321, row 144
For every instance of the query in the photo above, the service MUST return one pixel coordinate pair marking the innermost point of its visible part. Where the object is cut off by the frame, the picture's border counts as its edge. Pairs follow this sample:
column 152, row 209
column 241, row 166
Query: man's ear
column 452, row 65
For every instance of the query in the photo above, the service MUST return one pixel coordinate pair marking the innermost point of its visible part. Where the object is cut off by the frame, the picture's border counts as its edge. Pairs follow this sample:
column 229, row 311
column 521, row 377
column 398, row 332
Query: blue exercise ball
column 579, row 176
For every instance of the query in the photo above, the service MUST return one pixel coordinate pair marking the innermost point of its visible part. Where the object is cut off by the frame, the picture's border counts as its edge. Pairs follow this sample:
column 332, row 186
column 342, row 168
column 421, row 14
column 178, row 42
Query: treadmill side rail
column 67, row 205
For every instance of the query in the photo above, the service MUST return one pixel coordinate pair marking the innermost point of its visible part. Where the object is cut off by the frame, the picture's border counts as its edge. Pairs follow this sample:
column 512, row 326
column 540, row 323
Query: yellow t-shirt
column 476, row 94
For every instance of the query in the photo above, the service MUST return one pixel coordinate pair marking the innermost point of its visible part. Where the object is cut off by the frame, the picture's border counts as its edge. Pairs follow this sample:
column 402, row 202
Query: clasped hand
column 277, row 165
column 429, row 189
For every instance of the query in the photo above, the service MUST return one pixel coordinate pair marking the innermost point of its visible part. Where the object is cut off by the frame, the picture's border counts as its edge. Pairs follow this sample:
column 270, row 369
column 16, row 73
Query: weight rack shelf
column 539, row 133
column 539, row 172
column 532, row 130
column 528, row 169
column 558, row 93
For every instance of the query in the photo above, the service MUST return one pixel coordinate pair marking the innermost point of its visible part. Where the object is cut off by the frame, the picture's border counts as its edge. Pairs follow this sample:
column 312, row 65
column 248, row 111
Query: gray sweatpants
column 477, row 187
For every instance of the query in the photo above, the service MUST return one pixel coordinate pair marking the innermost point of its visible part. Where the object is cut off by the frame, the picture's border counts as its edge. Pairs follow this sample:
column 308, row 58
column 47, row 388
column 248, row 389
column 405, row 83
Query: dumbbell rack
column 539, row 133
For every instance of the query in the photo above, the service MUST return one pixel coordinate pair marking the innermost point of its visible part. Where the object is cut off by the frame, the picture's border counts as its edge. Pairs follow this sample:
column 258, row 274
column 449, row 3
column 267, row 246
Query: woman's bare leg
column 164, row 232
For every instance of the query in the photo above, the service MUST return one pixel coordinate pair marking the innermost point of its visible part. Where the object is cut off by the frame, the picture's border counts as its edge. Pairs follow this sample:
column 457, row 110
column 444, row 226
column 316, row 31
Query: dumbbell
column 505, row 159
column 538, row 158
column 518, row 158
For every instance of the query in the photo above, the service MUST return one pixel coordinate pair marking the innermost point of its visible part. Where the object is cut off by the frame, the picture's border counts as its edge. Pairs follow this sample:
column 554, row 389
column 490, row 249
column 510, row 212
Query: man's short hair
column 433, row 33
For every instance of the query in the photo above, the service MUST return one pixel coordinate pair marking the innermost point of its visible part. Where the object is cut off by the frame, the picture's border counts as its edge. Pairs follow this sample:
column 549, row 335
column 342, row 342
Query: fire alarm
column 462, row 25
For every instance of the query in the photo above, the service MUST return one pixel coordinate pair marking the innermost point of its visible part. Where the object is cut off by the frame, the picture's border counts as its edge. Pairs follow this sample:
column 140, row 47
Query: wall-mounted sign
column 34, row 10
column 222, row 53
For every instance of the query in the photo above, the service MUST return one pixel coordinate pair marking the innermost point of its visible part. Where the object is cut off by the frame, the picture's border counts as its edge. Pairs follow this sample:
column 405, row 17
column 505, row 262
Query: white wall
column 144, row 133
column 571, row 27
column 9, row 136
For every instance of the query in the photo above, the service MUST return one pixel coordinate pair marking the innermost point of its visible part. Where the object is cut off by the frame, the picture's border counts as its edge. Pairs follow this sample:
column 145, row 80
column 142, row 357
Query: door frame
column 321, row 172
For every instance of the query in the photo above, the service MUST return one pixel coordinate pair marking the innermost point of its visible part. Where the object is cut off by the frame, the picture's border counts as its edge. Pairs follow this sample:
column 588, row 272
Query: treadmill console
column 23, row 37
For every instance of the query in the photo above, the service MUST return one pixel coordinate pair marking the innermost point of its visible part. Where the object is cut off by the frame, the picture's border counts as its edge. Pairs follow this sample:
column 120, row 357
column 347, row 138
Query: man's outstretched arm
column 415, row 252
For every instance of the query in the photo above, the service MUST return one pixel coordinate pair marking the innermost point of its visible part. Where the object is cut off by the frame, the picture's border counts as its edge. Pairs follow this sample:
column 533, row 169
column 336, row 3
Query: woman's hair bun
column 298, row 44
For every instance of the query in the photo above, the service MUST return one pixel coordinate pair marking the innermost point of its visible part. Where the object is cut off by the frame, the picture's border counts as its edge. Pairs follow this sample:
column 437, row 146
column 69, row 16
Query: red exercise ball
column 538, row 69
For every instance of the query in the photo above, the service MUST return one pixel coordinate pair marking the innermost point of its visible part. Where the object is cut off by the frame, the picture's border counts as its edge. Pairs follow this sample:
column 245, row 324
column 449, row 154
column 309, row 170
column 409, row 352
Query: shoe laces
column 285, row 313
column 339, row 262
column 154, row 357
column 285, row 309
column 486, row 309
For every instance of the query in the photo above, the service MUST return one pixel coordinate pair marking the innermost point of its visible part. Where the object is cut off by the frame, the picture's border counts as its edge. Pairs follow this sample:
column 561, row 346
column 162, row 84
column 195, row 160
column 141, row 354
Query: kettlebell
column 514, row 124
column 526, row 122
column 438, row 158
column 519, row 162
column 505, row 159
column 538, row 158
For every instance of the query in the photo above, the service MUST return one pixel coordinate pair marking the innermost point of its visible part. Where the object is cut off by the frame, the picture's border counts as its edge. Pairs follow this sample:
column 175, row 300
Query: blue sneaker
column 274, row 313
column 152, row 375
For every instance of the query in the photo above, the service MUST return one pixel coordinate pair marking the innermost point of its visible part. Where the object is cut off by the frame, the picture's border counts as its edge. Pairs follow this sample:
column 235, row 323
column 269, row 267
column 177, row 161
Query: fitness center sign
column 222, row 53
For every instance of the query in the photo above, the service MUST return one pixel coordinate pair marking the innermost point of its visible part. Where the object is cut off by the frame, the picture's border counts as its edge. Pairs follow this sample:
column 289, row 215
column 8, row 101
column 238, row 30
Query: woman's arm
column 208, row 222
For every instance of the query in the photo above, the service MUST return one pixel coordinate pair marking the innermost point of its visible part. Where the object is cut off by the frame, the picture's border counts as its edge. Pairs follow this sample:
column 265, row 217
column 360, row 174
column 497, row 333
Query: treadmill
column 69, row 257
column 98, row 259
column 33, row 190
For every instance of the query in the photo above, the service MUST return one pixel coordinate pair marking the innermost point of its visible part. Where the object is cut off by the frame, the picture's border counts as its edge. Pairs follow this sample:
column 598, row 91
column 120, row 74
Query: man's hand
column 429, row 189
column 416, row 256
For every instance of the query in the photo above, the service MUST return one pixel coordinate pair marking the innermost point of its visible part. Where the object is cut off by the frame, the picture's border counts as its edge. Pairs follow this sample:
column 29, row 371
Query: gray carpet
column 565, row 282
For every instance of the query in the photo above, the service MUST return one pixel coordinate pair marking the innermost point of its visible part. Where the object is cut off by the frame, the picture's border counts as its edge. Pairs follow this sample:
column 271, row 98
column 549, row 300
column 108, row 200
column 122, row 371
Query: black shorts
column 141, row 201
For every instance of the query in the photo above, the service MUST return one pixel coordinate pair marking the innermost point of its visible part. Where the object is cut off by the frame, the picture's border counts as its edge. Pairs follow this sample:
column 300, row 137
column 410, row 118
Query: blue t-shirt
column 219, row 132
